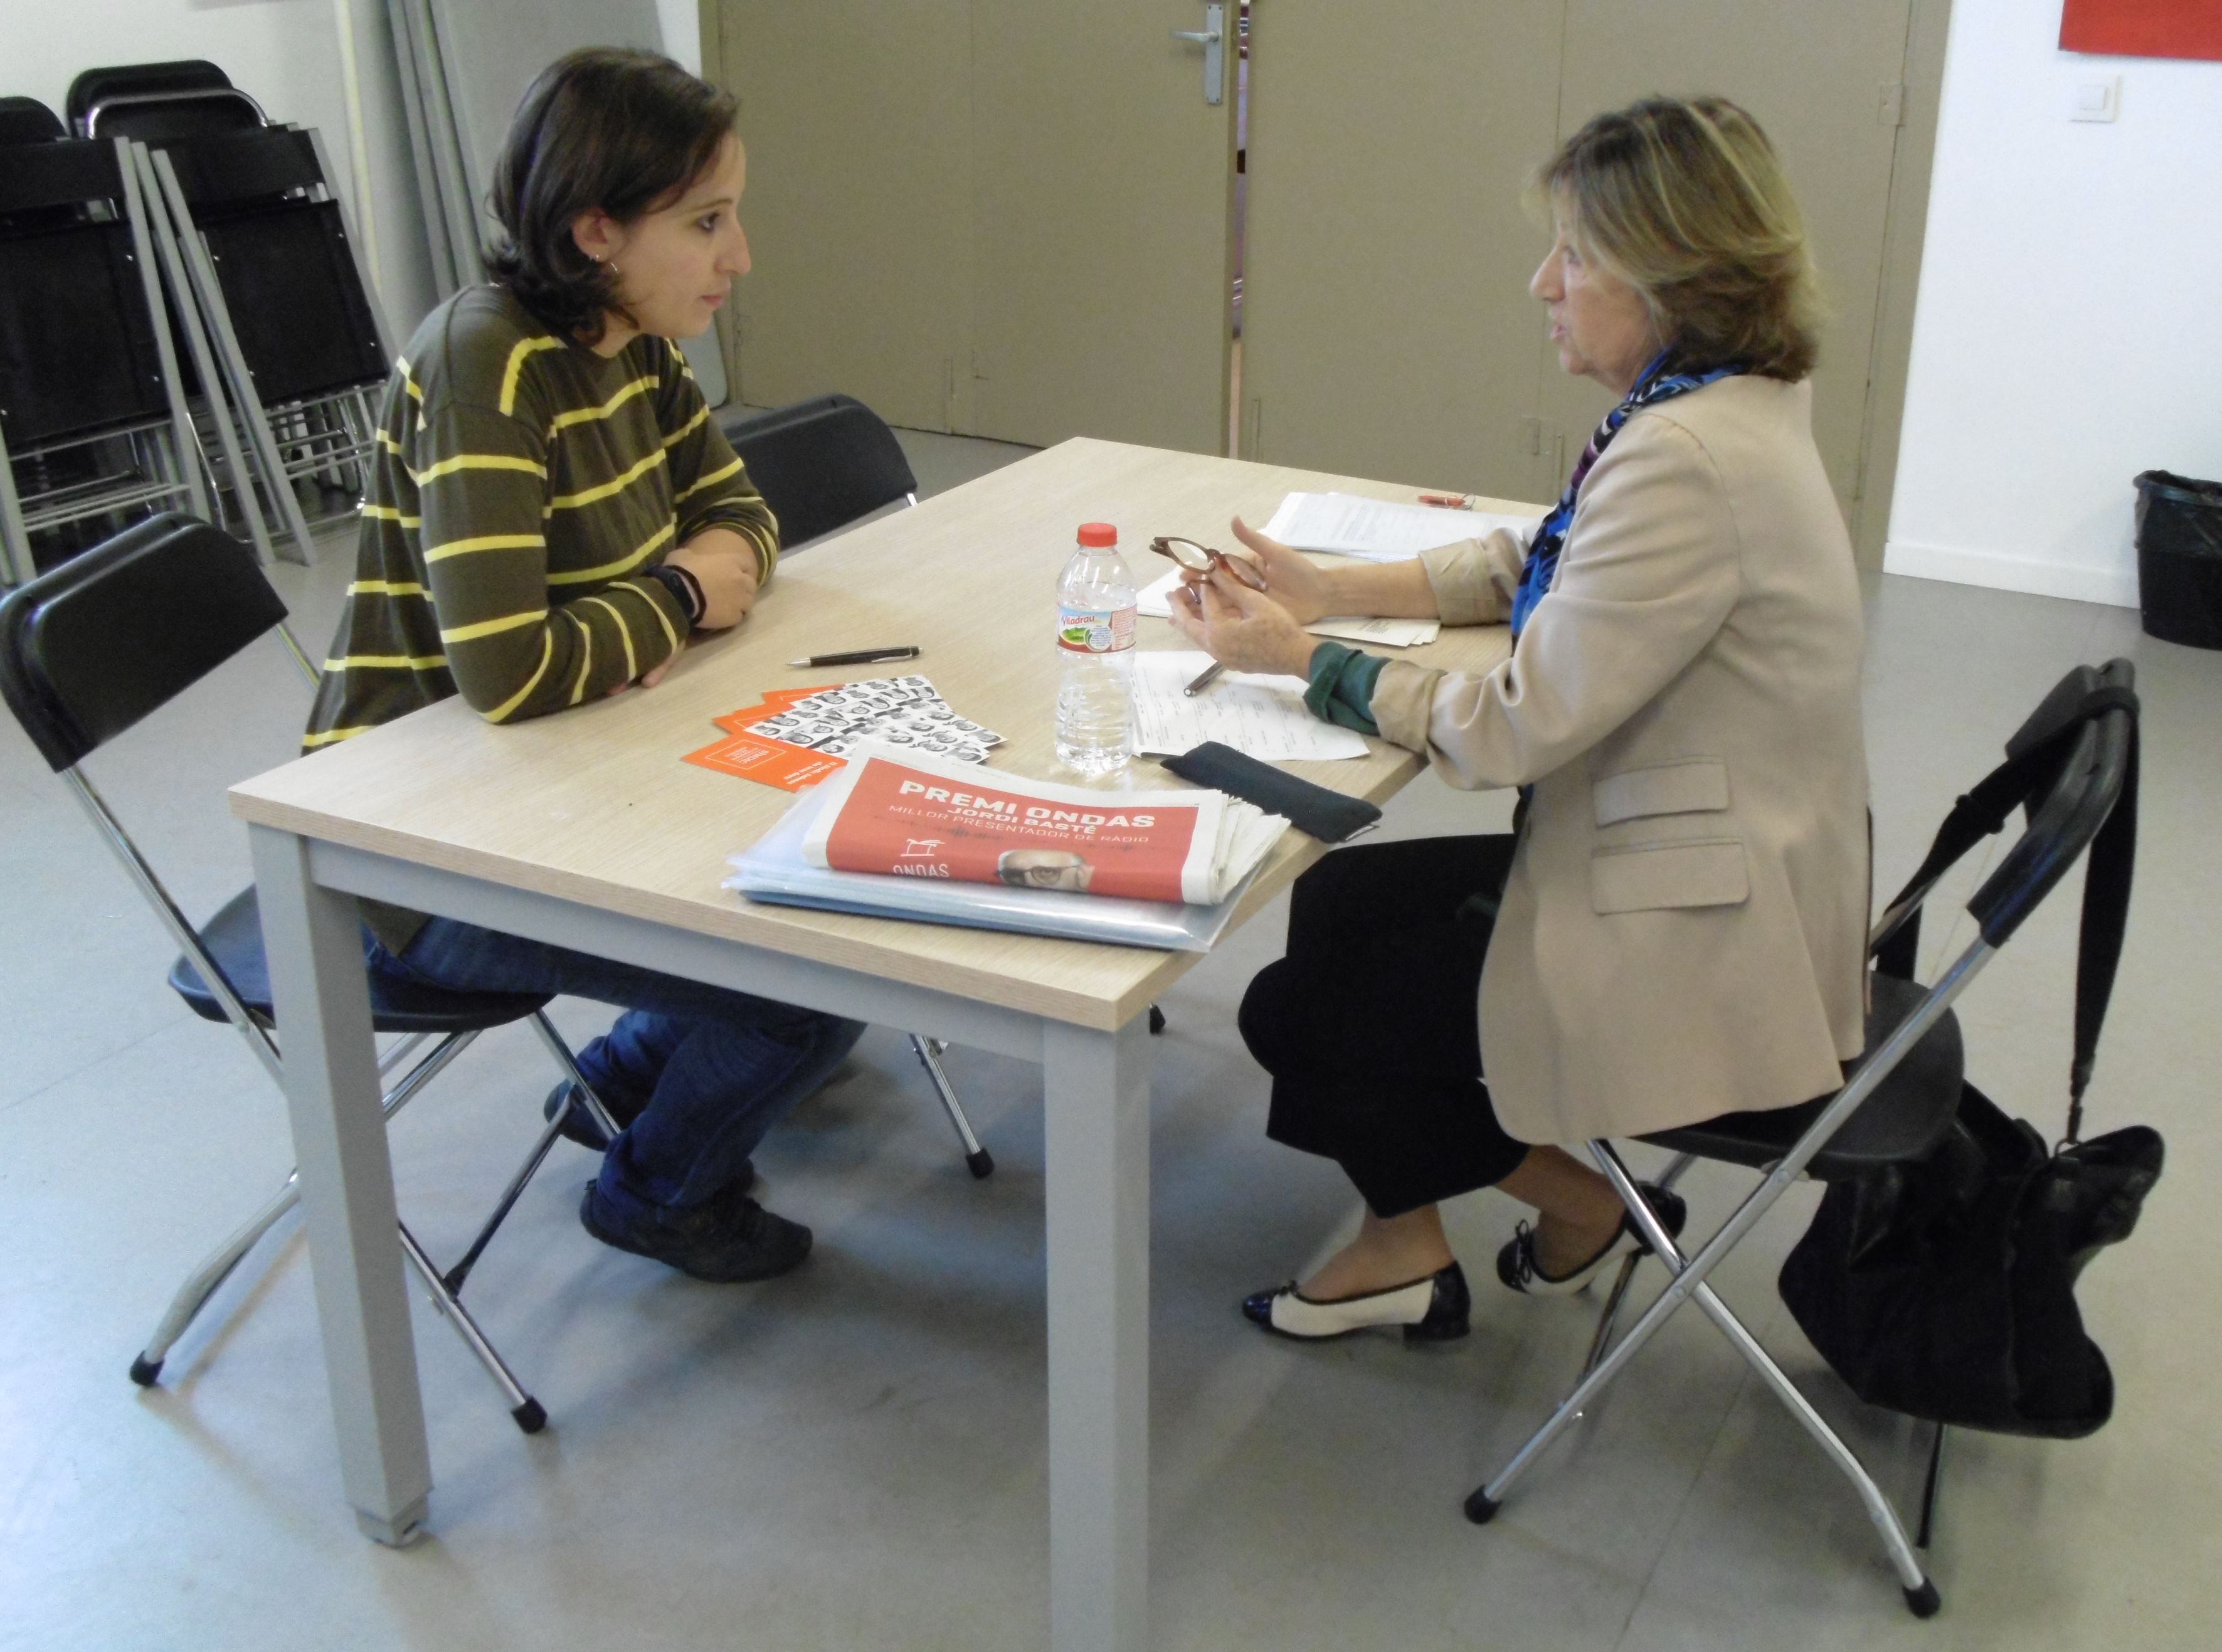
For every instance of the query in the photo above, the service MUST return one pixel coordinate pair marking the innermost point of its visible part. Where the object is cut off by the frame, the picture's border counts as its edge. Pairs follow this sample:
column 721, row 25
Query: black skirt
column 1370, row 1026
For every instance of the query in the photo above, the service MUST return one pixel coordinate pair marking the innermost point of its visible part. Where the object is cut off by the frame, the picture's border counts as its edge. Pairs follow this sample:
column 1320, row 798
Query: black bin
column 2180, row 558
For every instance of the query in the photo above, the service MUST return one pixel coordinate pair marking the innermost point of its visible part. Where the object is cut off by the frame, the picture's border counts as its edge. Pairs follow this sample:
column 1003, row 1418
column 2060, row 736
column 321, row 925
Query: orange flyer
column 893, row 815
column 772, row 762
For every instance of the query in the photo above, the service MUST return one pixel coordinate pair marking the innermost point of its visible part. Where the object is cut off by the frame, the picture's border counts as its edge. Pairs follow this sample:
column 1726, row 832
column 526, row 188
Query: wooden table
column 586, row 830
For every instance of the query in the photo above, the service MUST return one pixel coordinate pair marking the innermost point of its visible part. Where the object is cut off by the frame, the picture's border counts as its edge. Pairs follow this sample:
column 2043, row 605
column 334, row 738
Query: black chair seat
column 234, row 940
column 1905, row 1117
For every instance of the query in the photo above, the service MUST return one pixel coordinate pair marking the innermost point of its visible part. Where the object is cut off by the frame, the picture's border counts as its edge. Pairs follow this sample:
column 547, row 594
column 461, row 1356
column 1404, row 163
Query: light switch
column 2097, row 100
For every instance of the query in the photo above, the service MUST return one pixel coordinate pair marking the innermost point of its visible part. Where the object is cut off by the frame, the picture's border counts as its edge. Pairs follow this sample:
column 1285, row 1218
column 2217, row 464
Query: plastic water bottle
column 1095, row 653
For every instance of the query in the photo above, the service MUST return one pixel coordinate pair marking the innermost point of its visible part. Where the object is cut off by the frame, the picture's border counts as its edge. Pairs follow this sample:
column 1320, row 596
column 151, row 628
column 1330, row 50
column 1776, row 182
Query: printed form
column 1380, row 531
column 1155, row 602
column 1259, row 715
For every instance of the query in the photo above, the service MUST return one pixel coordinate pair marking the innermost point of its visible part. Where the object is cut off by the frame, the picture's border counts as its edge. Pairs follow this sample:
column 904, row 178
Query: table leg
column 1098, row 1151
column 314, row 939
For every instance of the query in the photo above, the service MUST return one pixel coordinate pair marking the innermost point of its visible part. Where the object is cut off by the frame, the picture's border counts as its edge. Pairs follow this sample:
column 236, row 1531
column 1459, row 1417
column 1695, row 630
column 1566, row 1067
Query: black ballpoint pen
column 862, row 656
column 1204, row 680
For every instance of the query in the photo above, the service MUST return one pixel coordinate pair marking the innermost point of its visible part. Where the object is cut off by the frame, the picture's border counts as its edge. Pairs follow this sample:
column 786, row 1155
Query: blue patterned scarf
column 1652, row 385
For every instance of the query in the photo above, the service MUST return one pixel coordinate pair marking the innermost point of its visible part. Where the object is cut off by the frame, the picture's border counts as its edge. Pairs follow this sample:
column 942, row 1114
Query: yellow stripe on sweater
column 391, row 514
column 500, row 714
column 331, row 735
column 632, row 661
column 488, row 627
column 625, row 564
column 586, row 657
column 617, row 485
column 687, row 429
column 386, row 589
column 478, row 462
column 710, row 480
column 523, row 348
column 388, row 661
column 588, row 415
column 485, row 542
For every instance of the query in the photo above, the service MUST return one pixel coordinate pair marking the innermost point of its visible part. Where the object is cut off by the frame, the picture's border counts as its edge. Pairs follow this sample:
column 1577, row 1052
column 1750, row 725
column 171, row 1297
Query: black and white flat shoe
column 1515, row 1263
column 1432, row 1310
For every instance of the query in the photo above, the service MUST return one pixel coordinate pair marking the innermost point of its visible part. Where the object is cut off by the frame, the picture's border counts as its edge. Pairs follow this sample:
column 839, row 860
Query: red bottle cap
column 1097, row 535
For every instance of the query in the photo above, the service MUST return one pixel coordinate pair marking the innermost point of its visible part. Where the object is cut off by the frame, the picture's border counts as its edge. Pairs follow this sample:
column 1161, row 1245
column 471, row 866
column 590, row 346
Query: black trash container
column 2180, row 558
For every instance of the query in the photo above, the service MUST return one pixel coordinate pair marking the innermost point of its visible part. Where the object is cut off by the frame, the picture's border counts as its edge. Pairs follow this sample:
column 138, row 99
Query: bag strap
column 2033, row 757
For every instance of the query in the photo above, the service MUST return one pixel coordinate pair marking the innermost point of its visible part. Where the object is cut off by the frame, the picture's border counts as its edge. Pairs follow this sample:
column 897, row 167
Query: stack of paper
column 1155, row 602
column 900, row 835
column 1257, row 714
column 1380, row 531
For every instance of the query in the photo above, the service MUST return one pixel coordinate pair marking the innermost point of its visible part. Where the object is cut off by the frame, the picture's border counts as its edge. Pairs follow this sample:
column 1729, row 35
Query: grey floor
column 853, row 1457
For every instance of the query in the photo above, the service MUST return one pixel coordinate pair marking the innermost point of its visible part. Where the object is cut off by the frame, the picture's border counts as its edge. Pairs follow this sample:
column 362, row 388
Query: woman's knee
column 1270, row 1008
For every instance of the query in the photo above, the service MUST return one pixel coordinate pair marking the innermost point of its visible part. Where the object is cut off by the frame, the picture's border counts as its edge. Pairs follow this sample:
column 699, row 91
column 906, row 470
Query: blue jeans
column 695, row 1073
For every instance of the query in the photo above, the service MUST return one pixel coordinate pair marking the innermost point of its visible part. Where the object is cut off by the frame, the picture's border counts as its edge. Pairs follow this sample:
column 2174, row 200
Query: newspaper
column 903, row 814
column 774, row 871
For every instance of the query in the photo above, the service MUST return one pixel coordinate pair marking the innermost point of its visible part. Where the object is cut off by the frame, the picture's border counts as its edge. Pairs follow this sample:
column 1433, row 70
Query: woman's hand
column 724, row 565
column 1242, row 629
column 1290, row 578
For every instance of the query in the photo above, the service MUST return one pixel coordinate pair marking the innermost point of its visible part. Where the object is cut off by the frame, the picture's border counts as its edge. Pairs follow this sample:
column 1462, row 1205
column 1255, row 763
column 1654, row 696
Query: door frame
column 1905, row 224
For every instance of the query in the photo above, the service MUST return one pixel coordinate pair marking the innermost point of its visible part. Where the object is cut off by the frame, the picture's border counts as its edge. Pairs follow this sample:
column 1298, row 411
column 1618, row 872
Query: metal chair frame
column 165, row 465
column 444, row 1287
column 2056, row 835
column 325, row 437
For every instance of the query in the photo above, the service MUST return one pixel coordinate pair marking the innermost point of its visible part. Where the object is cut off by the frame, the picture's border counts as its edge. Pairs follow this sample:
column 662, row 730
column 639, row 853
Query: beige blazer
column 1684, row 931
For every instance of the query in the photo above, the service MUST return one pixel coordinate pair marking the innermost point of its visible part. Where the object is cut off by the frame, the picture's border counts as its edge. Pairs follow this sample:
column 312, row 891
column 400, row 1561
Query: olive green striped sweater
column 522, row 487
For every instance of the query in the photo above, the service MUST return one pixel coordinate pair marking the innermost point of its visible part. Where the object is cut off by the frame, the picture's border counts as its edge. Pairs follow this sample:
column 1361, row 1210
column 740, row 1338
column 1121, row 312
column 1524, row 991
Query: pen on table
column 862, row 656
column 1203, row 679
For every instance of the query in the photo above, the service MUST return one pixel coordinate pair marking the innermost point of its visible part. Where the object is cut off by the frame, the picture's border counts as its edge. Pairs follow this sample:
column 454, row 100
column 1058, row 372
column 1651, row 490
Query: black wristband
column 685, row 589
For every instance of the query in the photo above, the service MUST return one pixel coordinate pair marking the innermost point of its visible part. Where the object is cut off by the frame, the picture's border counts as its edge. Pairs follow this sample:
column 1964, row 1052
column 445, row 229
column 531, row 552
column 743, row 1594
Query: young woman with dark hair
column 552, row 513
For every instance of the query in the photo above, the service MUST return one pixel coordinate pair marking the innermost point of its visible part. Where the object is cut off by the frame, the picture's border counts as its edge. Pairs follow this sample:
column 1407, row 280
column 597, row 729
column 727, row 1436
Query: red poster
column 2181, row 29
column 909, row 822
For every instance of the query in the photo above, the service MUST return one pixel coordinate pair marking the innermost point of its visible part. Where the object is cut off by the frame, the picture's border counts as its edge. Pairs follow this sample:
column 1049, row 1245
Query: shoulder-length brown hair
column 1685, row 199
column 606, row 128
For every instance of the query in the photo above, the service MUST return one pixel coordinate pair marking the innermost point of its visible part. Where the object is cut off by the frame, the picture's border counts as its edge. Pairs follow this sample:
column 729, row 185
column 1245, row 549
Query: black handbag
column 1945, row 1289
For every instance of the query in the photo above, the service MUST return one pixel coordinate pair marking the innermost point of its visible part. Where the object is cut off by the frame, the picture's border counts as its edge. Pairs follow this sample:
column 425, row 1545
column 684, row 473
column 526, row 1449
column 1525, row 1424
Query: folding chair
column 2068, row 766
column 93, row 418
column 820, row 465
column 278, row 281
column 86, row 652
column 98, row 96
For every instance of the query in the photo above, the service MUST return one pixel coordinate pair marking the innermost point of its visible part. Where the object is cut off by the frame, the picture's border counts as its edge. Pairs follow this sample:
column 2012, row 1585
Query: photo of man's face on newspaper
column 1045, row 869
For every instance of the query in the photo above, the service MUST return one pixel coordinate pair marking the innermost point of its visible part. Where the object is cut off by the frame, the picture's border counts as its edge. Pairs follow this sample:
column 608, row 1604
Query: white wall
column 287, row 54
column 2068, row 332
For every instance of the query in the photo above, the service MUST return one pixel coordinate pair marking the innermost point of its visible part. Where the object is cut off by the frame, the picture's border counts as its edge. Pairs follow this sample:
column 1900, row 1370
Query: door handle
column 1213, row 38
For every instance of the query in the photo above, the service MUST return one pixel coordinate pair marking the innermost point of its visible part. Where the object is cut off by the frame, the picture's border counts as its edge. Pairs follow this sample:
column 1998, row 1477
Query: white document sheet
column 1380, row 531
column 1154, row 601
column 1259, row 715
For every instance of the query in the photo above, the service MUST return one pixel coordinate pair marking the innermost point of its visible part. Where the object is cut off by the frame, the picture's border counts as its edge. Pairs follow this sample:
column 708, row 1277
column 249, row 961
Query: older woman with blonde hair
column 1675, row 927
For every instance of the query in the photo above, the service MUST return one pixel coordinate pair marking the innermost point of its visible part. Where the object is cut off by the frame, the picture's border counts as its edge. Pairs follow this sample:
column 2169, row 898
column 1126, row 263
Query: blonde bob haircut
column 1684, row 200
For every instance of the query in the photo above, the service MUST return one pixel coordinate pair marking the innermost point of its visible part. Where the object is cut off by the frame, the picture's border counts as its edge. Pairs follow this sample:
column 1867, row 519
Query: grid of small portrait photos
column 897, row 711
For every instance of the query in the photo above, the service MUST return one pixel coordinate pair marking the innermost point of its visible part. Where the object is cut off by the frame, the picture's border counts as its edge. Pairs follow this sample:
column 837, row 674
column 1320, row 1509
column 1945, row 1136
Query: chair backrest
column 822, row 463
column 159, row 103
column 26, row 120
column 291, row 281
column 92, row 85
column 77, row 349
column 89, row 649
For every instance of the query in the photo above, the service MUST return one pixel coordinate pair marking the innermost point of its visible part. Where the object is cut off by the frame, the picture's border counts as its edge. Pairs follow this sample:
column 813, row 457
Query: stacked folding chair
column 93, row 415
column 2071, row 764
